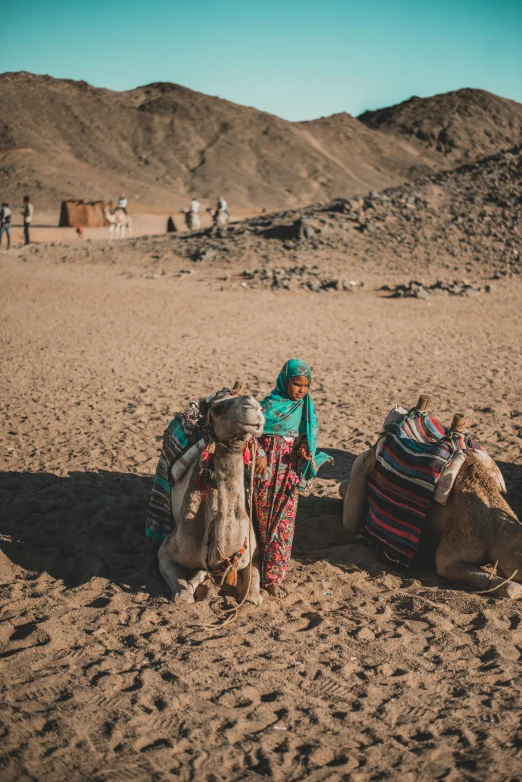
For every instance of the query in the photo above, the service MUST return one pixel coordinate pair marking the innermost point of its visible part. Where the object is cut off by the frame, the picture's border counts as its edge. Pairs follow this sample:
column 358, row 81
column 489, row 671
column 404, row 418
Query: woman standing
column 289, row 441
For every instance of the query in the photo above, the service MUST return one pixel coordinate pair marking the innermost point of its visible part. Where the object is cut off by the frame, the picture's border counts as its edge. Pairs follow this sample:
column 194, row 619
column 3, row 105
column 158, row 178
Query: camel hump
column 480, row 475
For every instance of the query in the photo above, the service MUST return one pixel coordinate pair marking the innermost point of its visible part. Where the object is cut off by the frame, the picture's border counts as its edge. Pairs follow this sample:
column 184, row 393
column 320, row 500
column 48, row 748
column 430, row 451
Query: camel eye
column 218, row 410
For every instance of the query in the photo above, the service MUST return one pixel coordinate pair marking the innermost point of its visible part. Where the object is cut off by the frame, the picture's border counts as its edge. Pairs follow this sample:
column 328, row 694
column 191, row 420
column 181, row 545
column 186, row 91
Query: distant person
column 122, row 203
column 5, row 223
column 27, row 214
column 194, row 206
column 222, row 206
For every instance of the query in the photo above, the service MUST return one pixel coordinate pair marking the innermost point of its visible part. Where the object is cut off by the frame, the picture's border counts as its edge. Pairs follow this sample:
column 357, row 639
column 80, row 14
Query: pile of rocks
column 461, row 220
column 289, row 278
column 419, row 290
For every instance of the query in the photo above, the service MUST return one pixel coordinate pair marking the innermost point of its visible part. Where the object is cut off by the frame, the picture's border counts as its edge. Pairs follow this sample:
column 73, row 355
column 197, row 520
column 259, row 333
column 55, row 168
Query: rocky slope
column 467, row 220
column 160, row 143
column 462, row 126
column 66, row 139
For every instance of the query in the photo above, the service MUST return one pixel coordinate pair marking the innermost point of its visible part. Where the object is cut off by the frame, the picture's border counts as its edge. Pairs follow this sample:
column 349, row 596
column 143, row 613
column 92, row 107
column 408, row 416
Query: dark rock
column 204, row 255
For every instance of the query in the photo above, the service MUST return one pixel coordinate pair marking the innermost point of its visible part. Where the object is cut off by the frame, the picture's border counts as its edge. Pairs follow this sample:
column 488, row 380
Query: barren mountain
column 462, row 126
column 66, row 139
column 160, row 143
column 467, row 221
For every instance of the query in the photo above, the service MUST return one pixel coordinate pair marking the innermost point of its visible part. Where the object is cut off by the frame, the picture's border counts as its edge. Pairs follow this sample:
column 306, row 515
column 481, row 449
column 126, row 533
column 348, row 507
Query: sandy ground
column 360, row 673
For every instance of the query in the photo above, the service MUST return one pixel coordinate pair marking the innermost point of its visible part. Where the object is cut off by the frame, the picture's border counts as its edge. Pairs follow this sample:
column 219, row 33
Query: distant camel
column 192, row 220
column 119, row 222
column 219, row 217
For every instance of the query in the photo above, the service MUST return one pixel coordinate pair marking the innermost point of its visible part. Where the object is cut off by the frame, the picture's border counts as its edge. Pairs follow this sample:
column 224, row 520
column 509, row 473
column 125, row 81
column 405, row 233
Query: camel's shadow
column 92, row 524
column 80, row 526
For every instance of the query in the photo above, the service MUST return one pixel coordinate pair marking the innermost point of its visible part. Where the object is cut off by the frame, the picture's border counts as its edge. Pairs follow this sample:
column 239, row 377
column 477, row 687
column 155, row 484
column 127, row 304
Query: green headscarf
column 287, row 418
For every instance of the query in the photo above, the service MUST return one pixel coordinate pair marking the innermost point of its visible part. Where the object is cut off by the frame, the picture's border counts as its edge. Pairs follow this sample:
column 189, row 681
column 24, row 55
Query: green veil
column 287, row 418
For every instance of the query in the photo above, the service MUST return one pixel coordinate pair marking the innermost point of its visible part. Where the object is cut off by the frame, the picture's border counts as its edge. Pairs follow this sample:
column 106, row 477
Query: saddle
column 417, row 462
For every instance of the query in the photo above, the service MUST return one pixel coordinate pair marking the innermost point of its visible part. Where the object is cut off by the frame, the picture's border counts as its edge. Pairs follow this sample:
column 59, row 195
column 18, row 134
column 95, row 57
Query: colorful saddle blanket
column 410, row 459
column 182, row 444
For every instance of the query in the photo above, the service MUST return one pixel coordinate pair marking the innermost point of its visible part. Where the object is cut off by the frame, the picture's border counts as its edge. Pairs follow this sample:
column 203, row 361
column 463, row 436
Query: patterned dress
column 276, row 506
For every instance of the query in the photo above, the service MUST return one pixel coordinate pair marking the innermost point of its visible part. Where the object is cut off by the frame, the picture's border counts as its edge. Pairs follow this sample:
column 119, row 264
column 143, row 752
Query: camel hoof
column 276, row 591
column 514, row 591
column 185, row 596
column 256, row 598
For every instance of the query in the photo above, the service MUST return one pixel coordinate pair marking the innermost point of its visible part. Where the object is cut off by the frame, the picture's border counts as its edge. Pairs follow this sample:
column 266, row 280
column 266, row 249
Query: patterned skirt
column 276, row 507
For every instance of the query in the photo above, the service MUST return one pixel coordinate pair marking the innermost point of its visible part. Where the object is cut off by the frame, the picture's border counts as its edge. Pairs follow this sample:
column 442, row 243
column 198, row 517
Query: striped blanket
column 183, row 442
column 410, row 459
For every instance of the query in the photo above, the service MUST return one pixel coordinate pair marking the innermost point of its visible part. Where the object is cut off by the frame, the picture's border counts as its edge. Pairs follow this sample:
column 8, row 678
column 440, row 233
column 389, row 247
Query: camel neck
column 232, row 519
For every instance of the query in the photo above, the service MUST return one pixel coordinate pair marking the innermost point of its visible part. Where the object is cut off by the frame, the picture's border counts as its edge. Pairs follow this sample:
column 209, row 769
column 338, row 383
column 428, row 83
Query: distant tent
column 87, row 213
column 171, row 226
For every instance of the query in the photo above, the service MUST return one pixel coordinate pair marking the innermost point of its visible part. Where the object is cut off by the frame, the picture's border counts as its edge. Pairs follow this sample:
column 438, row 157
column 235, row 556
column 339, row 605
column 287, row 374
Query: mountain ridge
column 162, row 143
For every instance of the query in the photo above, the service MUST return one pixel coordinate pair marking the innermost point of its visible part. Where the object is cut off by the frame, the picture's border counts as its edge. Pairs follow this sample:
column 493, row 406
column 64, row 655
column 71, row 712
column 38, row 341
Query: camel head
column 235, row 418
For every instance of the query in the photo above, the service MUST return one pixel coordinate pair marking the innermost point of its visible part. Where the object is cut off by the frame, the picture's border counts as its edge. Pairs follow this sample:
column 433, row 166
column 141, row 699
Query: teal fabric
column 287, row 418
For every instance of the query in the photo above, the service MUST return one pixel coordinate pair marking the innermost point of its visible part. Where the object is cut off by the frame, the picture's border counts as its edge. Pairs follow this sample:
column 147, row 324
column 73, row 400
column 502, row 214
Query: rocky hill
column 65, row 139
column 462, row 126
column 162, row 142
column 466, row 221
column 448, row 234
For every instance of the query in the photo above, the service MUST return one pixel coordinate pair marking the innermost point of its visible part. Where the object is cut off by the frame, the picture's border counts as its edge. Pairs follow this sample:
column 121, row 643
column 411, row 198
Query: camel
column 192, row 220
column 219, row 217
column 212, row 528
column 474, row 527
column 119, row 221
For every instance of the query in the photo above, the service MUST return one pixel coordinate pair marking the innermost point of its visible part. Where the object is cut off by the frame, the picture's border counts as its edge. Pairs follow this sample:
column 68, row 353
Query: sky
column 298, row 59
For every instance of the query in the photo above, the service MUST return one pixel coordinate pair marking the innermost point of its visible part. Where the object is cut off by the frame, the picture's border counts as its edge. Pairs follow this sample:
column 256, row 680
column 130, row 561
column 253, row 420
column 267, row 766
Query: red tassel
column 247, row 454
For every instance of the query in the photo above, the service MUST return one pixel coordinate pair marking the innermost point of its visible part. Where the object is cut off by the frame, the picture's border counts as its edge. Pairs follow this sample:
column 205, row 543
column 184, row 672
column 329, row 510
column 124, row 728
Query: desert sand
column 361, row 672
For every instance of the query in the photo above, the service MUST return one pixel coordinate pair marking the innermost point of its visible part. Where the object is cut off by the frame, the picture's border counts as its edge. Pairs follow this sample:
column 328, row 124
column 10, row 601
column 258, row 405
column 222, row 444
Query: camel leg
column 197, row 579
column 254, row 592
column 356, row 493
column 473, row 576
column 176, row 577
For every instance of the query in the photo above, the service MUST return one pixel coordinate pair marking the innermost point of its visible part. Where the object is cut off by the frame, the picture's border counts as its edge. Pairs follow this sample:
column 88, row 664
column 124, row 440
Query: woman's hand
column 261, row 465
column 303, row 452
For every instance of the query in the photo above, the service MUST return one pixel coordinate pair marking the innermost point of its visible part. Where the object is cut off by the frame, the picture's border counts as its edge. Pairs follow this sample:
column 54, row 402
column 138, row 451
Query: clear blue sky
column 298, row 59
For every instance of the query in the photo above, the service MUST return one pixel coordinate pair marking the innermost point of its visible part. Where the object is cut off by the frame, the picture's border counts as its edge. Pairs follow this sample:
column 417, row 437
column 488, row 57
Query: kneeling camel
column 474, row 527
column 212, row 527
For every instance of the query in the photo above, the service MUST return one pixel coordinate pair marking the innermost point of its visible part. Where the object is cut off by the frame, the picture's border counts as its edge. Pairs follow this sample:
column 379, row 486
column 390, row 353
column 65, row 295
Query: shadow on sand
column 79, row 526
column 92, row 524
